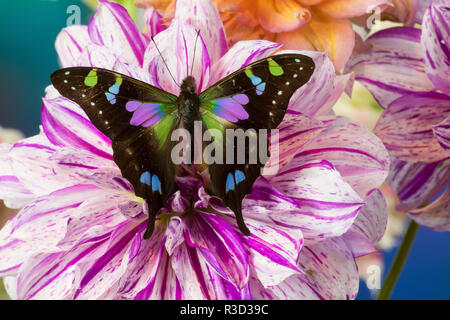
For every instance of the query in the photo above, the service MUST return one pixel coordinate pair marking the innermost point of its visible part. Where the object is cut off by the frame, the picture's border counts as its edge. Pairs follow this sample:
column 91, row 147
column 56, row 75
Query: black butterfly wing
column 138, row 118
column 252, row 98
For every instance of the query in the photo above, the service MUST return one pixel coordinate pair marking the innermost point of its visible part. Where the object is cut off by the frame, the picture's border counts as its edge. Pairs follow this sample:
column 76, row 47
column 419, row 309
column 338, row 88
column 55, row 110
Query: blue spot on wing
column 145, row 178
column 240, row 176
column 260, row 88
column 229, row 185
column 156, row 184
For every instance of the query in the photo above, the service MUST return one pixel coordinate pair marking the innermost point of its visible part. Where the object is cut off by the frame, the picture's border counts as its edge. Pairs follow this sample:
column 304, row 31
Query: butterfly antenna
column 195, row 47
column 173, row 78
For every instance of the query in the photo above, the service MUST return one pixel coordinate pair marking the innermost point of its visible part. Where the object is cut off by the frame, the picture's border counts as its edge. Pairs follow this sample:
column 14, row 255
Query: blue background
column 27, row 58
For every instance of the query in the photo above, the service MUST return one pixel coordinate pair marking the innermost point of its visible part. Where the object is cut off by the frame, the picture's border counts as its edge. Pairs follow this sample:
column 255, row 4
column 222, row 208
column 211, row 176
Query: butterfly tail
column 240, row 221
column 154, row 204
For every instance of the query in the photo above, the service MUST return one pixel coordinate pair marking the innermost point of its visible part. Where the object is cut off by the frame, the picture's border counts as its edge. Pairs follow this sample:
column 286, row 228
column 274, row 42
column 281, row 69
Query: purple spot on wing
column 144, row 113
column 225, row 115
column 241, row 98
column 132, row 105
column 233, row 107
column 158, row 116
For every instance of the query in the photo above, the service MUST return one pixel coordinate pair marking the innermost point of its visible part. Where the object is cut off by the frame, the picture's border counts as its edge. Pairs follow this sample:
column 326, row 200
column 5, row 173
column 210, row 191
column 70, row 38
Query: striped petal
column 220, row 246
column 416, row 184
column 392, row 66
column 442, row 133
column 176, row 46
column 31, row 164
column 65, row 124
column 330, row 269
column 326, row 206
column 198, row 279
column 70, row 43
column 112, row 27
column 12, row 191
column 240, row 55
column 205, row 18
column 106, row 270
column 154, row 22
column 435, row 215
column 145, row 259
column 354, row 151
column 406, row 126
column 436, row 43
column 294, row 132
column 369, row 226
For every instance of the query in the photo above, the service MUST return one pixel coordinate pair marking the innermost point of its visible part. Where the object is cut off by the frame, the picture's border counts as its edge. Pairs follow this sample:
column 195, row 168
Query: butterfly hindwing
column 252, row 98
column 138, row 118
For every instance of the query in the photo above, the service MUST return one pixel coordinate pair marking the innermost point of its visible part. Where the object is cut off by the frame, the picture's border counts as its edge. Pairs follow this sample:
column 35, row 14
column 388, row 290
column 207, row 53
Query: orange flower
column 320, row 25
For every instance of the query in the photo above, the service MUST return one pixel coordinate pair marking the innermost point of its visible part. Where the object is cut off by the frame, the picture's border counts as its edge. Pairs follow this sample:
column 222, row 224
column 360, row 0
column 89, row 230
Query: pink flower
column 79, row 232
column 407, row 71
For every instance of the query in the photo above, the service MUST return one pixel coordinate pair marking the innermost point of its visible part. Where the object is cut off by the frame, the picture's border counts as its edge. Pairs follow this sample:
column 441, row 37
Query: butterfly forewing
column 138, row 118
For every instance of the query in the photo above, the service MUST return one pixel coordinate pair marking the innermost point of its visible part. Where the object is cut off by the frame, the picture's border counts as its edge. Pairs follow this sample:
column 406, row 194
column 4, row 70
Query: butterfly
column 140, row 120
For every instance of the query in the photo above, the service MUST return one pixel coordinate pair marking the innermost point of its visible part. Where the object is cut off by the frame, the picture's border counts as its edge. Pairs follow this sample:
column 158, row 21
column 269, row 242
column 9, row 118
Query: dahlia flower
column 407, row 71
column 319, row 25
column 78, row 234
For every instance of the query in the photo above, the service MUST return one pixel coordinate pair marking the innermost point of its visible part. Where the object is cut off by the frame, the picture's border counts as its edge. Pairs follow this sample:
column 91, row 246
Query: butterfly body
column 140, row 119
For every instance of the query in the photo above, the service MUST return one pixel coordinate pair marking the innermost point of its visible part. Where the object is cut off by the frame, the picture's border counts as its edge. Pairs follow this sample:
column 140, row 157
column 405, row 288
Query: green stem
column 397, row 265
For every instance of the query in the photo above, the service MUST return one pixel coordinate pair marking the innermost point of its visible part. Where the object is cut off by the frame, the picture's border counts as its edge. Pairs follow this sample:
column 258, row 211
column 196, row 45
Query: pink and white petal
column 12, row 191
column 14, row 253
column 330, row 269
column 185, row 263
column 44, row 221
column 343, row 84
column 154, row 22
column 273, row 250
column 310, row 98
column 112, row 27
column 372, row 218
column 326, row 204
column 294, row 132
column 442, row 133
column 95, row 55
column 38, row 281
column 369, row 226
column 417, row 183
column 220, row 246
column 31, row 165
column 165, row 286
column 95, row 219
column 436, row 43
column 174, row 234
column 358, row 155
column 80, row 166
column 293, row 288
column 198, row 279
column 406, row 126
column 435, row 215
column 65, row 127
column 70, row 43
column 144, row 261
column 109, row 265
column 392, row 66
column 241, row 54
column 204, row 17
column 176, row 47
